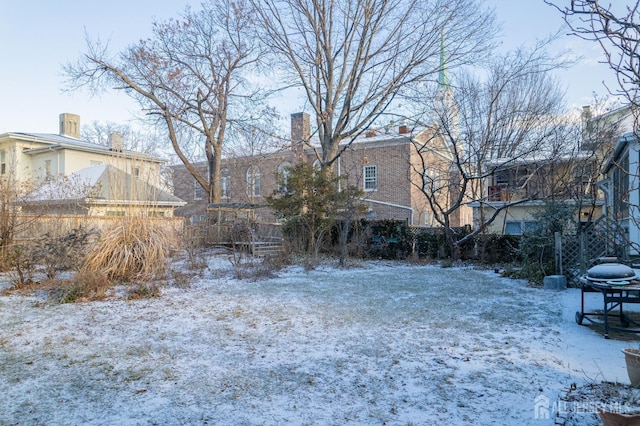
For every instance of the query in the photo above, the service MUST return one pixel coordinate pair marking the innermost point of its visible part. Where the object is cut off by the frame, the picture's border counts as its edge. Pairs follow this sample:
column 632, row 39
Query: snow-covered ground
column 378, row 344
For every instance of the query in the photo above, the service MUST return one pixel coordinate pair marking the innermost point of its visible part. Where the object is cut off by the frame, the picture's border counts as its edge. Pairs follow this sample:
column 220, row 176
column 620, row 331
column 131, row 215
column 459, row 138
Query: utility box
column 555, row 282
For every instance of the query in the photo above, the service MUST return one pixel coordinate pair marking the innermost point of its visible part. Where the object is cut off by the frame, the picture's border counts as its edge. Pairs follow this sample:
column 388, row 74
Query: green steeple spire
column 443, row 75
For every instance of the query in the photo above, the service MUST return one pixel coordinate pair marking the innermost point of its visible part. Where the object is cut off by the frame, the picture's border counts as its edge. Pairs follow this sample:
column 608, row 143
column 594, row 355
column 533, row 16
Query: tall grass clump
column 136, row 249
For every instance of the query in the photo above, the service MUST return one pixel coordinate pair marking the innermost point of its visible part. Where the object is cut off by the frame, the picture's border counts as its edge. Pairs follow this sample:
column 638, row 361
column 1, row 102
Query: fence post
column 558, row 244
column 583, row 253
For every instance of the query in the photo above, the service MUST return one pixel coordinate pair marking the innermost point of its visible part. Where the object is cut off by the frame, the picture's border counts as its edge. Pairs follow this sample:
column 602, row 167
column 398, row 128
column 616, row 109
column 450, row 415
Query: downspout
column 391, row 205
column 605, row 187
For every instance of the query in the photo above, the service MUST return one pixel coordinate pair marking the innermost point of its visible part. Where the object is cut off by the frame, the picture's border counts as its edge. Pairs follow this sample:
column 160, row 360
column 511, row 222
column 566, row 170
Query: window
column 253, row 182
column 283, row 176
column 519, row 227
column 3, row 162
column 370, row 178
column 224, row 186
column 501, row 178
column 114, row 213
column 431, row 181
column 135, row 171
column 198, row 192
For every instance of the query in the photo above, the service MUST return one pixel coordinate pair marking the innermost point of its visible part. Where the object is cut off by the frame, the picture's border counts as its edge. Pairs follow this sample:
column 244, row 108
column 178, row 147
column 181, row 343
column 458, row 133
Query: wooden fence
column 35, row 226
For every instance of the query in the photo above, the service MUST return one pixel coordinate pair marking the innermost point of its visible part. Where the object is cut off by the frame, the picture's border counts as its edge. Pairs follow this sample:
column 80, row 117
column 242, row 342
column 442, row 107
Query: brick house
column 385, row 163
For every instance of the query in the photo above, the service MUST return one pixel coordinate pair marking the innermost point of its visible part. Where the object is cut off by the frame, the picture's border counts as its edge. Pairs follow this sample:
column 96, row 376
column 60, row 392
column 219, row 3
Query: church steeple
column 447, row 109
column 443, row 74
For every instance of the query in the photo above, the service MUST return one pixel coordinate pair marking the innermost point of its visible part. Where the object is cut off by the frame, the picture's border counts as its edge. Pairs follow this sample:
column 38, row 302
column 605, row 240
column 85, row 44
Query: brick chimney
column 70, row 125
column 403, row 129
column 300, row 133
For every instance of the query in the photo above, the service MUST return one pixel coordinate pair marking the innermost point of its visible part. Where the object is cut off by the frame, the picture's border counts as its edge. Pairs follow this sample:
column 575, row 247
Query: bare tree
column 134, row 140
column 615, row 26
column 353, row 58
column 505, row 119
column 189, row 77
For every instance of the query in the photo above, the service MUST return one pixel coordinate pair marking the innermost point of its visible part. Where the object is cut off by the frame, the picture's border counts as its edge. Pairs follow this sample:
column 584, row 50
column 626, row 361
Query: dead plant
column 134, row 250
column 143, row 291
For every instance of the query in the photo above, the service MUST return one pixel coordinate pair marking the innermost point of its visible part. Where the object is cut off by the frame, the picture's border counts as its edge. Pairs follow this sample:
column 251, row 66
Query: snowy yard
column 378, row 344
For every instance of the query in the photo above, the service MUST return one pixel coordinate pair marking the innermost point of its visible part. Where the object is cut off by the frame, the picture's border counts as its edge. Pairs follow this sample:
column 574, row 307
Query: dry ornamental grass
column 134, row 250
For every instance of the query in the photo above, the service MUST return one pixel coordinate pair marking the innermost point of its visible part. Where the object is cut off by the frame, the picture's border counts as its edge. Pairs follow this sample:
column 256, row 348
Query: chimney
column 70, row 125
column 115, row 142
column 403, row 129
column 300, row 133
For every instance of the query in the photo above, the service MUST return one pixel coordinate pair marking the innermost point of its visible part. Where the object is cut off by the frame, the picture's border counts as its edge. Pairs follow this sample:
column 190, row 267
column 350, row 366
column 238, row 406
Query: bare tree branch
column 188, row 77
column 352, row 58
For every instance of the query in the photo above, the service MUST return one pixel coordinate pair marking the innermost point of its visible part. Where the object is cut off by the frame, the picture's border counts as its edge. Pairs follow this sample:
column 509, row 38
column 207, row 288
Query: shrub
column 84, row 287
column 390, row 239
column 496, row 248
column 61, row 253
column 134, row 250
column 143, row 291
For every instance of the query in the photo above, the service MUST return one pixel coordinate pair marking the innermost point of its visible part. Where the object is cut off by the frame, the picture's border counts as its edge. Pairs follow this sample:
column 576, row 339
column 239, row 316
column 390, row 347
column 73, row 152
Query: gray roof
column 102, row 185
column 66, row 142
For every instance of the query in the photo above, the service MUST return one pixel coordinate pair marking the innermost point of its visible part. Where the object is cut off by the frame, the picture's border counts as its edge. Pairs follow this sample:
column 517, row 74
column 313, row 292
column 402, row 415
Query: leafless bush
column 181, row 279
column 193, row 243
column 143, row 291
column 240, row 236
column 22, row 265
column 83, row 287
column 62, row 253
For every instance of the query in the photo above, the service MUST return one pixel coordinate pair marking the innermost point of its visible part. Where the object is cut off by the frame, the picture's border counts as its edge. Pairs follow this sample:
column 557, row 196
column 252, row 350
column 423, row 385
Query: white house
column 109, row 181
column 36, row 157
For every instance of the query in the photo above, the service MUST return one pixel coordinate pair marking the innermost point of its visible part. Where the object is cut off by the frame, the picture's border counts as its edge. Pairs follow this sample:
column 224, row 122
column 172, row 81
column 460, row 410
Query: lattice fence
column 579, row 251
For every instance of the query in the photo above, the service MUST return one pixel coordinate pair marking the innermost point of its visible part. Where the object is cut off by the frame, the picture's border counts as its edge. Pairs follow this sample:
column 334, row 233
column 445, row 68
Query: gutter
column 391, row 205
column 621, row 143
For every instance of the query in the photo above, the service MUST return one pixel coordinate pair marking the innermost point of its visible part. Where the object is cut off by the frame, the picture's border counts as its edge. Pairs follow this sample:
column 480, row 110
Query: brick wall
column 398, row 175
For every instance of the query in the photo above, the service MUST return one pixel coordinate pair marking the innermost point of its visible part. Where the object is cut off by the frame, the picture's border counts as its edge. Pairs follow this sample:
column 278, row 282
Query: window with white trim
column 253, row 181
column 370, row 178
column 225, row 182
column 283, row 176
column 519, row 227
column 3, row 162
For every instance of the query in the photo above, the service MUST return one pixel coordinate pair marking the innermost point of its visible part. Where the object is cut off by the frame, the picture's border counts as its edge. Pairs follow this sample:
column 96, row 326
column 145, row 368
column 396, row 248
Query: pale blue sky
column 38, row 36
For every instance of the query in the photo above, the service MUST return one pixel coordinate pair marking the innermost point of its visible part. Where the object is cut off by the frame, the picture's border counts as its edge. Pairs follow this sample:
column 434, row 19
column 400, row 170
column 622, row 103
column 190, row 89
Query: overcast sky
column 38, row 36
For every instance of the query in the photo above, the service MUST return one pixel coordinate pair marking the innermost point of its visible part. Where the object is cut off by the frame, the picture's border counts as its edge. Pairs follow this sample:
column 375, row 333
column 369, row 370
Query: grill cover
column 610, row 271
